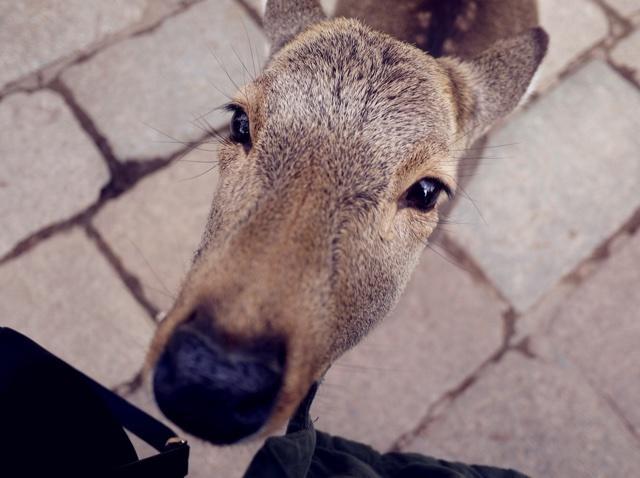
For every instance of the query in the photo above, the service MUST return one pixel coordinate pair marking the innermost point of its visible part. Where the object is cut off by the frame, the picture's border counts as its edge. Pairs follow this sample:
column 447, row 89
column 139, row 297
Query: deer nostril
column 215, row 391
column 201, row 320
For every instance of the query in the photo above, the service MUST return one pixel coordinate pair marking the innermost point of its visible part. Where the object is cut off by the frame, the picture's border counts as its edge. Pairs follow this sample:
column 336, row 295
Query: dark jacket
column 306, row 452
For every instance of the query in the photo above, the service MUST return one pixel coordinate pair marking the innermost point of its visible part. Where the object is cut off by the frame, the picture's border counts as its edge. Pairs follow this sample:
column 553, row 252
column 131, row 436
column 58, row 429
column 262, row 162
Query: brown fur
column 306, row 239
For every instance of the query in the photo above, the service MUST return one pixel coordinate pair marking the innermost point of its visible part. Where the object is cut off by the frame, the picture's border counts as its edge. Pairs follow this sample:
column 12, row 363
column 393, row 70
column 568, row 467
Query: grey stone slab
column 163, row 80
column 155, row 228
column 536, row 416
column 65, row 296
column 598, row 329
column 627, row 54
column 34, row 33
column 625, row 7
column 50, row 168
column 445, row 326
column 569, row 182
column 573, row 27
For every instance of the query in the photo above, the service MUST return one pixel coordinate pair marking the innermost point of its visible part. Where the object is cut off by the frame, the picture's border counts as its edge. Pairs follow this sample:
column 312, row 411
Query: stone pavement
column 525, row 353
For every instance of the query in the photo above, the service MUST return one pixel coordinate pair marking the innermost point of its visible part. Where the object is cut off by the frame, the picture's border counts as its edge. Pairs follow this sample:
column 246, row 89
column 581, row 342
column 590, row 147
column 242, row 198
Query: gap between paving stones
column 619, row 29
column 130, row 174
column 601, row 253
column 590, row 264
column 131, row 281
column 463, row 260
column 124, row 176
column 442, row 404
column 41, row 77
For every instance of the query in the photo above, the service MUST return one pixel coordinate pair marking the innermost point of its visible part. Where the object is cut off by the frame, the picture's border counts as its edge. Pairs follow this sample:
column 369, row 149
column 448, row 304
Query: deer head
column 338, row 158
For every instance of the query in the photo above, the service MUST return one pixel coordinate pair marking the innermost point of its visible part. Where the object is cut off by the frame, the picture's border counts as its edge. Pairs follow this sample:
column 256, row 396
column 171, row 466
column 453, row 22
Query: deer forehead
column 355, row 95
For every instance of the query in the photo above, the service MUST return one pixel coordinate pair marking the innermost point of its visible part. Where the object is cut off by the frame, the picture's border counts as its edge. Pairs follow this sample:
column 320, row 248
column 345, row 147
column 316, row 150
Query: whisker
column 250, row 43
column 217, row 108
column 155, row 274
column 190, row 145
column 444, row 257
column 451, row 222
column 167, row 135
column 363, row 368
column 206, row 127
column 461, row 190
column 159, row 291
column 230, row 98
column 244, row 67
column 199, row 175
column 477, row 158
column 465, row 134
column 182, row 160
column 226, row 72
column 486, row 147
column 223, row 68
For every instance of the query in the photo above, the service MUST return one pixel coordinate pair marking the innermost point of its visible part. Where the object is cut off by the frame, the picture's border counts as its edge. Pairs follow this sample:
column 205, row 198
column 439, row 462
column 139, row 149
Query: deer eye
column 424, row 194
column 240, row 130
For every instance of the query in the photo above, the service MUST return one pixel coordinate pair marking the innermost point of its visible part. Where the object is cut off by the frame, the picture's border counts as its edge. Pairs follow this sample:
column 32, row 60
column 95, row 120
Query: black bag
column 57, row 422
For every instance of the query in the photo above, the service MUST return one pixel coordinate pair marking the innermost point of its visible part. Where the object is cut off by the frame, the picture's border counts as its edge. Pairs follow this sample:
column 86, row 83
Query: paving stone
column 598, row 329
column 573, row 27
column 445, row 326
column 625, row 7
column 627, row 54
column 568, row 184
column 155, row 228
column 205, row 460
column 65, row 296
column 164, row 79
column 34, row 33
column 49, row 170
column 537, row 416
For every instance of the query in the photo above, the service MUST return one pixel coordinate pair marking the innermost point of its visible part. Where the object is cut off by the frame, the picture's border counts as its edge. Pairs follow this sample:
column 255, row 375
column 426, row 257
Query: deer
column 338, row 160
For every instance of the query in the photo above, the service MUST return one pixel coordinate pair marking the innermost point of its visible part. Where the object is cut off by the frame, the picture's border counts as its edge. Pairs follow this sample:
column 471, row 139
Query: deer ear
column 490, row 86
column 284, row 19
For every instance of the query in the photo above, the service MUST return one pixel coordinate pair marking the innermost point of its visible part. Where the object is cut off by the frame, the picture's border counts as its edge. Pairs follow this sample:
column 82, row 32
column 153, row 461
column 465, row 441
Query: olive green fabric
column 306, row 453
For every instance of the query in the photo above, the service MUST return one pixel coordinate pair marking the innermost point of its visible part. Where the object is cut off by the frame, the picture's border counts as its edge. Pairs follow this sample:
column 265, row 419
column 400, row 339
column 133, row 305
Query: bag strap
column 138, row 422
column 173, row 456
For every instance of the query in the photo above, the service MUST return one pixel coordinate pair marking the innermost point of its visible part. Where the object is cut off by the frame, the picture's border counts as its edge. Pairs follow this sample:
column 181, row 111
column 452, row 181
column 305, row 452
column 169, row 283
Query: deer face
column 339, row 156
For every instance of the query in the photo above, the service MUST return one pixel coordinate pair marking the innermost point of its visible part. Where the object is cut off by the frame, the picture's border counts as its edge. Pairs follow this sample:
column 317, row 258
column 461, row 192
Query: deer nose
column 216, row 392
